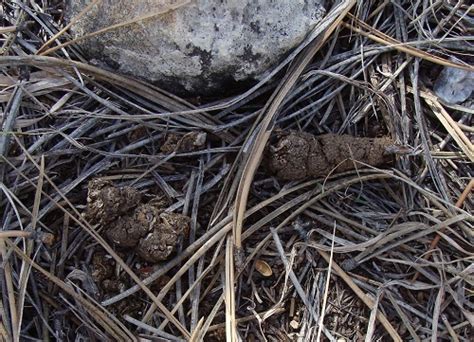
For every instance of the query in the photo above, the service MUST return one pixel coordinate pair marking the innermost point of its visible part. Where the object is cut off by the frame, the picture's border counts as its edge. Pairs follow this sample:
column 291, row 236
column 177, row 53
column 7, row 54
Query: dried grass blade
column 271, row 109
column 101, row 317
column 197, row 331
column 9, row 117
column 68, row 26
column 151, row 329
column 169, row 8
column 451, row 126
column 7, row 272
column 84, row 225
column 403, row 316
column 25, row 268
column 381, row 38
column 197, row 254
column 135, row 86
column 3, row 332
column 437, row 313
column 326, row 289
column 197, row 249
column 231, row 324
column 8, row 29
column 366, row 299
column 294, row 279
column 372, row 318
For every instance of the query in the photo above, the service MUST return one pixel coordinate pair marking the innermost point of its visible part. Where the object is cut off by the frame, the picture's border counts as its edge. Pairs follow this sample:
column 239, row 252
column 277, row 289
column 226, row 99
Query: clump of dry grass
column 364, row 254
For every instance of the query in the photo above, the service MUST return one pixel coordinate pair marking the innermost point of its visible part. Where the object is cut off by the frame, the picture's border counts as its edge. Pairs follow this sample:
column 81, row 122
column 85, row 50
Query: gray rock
column 201, row 47
column 454, row 85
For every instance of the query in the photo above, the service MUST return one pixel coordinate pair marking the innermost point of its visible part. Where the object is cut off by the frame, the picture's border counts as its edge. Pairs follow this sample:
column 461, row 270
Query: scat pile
column 166, row 229
column 128, row 230
column 298, row 155
column 129, row 223
column 105, row 202
column 189, row 142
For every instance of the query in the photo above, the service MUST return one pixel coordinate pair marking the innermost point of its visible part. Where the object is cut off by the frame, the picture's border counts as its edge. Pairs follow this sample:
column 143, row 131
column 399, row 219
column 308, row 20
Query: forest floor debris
column 97, row 169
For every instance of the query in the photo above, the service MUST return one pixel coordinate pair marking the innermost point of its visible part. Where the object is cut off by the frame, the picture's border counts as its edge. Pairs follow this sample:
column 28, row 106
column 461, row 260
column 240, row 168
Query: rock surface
column 198, row 47
column 454, row 85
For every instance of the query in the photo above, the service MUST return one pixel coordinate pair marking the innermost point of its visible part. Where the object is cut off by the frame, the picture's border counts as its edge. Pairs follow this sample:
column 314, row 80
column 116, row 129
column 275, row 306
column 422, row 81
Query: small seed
column 263, row 268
